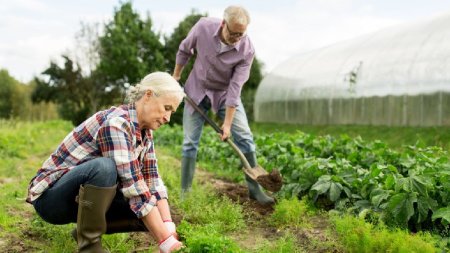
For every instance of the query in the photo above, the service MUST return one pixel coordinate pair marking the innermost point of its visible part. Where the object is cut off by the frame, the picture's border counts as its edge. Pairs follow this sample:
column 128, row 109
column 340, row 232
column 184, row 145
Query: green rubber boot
column 119, row 226
column 254, row 189
column 93, row 202
column 187, row 175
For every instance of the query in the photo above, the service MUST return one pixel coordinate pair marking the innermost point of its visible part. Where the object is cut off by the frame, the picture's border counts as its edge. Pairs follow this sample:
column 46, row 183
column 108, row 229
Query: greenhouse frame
column 399, row 76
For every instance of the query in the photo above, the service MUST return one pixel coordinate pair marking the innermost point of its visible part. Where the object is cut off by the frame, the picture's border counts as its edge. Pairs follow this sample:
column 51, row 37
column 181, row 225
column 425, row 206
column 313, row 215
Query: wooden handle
column 218, row 130
column 199, row 110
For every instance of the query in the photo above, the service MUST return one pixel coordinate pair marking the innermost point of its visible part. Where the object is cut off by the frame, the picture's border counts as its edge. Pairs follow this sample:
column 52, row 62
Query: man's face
column 233, row 32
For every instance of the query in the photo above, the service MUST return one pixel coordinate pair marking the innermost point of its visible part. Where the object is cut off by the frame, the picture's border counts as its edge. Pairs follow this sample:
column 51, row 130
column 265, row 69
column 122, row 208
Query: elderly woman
column 104, row 175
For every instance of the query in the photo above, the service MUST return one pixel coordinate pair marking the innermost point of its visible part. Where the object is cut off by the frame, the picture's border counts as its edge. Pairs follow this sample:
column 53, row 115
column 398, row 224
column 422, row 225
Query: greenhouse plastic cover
column 408, row 59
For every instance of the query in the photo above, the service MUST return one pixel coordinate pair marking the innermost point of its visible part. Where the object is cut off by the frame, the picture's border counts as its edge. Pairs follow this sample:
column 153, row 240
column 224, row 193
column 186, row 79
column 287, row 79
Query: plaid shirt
column 112, row 133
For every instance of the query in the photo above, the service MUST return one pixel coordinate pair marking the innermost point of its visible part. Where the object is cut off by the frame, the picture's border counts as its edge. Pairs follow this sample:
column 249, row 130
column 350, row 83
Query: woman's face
column 156, row 111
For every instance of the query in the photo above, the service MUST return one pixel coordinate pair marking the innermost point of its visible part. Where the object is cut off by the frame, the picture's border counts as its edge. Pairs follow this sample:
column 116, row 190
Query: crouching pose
column 104, row 175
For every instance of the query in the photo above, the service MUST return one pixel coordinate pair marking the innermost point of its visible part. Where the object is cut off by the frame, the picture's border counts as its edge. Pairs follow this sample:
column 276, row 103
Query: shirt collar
column 133, row 119
column 237, row 46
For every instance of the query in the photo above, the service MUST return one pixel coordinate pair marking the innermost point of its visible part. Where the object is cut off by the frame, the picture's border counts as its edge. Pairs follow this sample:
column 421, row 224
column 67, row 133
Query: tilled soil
column 272, row 181
column 237, row 193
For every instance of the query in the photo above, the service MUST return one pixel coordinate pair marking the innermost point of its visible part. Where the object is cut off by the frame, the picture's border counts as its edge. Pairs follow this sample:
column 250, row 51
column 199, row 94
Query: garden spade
column 271, row 182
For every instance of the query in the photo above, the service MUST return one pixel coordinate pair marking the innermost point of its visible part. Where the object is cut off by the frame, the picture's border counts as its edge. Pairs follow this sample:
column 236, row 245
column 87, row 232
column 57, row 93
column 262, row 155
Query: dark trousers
column 57, row 204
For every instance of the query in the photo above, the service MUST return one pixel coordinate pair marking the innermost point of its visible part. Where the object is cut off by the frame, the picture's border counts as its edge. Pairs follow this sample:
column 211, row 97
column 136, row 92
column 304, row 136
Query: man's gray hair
column 160, row 83
column 236, row 14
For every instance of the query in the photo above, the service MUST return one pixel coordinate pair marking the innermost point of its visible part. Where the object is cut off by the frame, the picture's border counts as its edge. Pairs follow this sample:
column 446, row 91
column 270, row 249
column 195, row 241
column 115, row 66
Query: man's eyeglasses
column 234, row 34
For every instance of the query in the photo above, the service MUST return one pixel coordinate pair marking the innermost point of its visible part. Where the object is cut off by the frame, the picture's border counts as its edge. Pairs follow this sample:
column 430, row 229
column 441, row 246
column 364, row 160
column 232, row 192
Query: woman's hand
column 171, row 228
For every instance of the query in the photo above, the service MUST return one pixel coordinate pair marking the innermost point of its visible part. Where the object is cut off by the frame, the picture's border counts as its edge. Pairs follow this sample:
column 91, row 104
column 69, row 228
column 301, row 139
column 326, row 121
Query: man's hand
column 228, row 120
column 225, row 132
column 176, row 77
column 177, row 72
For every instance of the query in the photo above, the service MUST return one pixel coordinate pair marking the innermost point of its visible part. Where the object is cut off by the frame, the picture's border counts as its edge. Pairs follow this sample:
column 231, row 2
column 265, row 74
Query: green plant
column 206, row 238
column 356, row 235
column 204, row 208
column 284, row 244
column 290, row 213
column 347, row 173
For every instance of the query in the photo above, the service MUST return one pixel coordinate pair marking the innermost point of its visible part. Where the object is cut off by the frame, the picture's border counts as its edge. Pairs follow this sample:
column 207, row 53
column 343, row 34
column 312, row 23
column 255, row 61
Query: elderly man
column 104, row 175
column 224, row 58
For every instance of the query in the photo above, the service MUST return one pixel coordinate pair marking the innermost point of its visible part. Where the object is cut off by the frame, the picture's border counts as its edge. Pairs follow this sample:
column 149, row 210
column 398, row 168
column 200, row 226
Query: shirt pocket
column 218, row 74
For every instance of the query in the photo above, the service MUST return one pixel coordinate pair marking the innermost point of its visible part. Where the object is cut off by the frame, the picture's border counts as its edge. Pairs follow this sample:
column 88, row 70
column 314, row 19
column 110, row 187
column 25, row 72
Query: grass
column 359, row 236
column 291, row 213
column 23, row 147
column 284, row 244
column 210, row 223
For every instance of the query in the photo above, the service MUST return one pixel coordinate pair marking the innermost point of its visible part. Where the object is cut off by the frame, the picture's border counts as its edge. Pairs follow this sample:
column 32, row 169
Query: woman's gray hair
column 236, row 14
column 160, row 83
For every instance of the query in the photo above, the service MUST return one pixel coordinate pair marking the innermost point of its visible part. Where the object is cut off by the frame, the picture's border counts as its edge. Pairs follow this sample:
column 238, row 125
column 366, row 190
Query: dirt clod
column 272, row 181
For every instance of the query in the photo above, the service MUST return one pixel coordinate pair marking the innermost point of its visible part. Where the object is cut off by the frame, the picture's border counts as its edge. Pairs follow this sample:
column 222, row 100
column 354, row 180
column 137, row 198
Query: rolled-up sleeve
column 114, row 140
column 151, row 174
column 241, row 74
column 186, row 48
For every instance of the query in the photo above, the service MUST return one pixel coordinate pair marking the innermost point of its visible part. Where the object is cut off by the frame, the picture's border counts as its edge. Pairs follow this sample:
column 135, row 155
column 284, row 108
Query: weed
column 203, row 207
column 290, row 213
column 206, row 238
column 359, row 236
column 285, row 244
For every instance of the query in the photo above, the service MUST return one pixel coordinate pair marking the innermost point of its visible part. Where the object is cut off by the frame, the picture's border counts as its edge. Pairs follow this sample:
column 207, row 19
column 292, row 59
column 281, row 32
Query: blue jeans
column 193, row 127
column 57, row 204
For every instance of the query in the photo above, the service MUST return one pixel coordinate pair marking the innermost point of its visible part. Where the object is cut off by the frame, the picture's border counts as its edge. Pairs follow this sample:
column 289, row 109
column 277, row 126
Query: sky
column 34, row 32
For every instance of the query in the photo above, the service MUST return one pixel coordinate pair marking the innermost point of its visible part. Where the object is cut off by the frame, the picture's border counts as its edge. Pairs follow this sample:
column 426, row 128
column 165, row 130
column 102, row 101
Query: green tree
column 67, row 87
column 20, row 100
column 7, row 87
column 15, row 100
column 24, row 109
column 86, row 54
column 170, row 51
column 249, row 89
column 77, row 92
column 255, row 75
column 173, row 42
column 129, row 49
column 125, row 53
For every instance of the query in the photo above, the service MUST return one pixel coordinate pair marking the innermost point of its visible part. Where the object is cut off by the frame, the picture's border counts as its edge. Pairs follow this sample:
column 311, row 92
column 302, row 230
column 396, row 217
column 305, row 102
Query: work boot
column 120, row 226
column 93, row 202
column 254, row 189
column 187, row 174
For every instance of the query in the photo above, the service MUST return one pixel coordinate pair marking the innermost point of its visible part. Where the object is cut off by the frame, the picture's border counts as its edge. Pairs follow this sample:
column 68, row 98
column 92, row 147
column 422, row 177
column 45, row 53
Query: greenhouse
column 399, row 76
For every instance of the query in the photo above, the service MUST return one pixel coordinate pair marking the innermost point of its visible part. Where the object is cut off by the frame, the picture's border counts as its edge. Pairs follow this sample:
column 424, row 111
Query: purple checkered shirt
column 112, row 133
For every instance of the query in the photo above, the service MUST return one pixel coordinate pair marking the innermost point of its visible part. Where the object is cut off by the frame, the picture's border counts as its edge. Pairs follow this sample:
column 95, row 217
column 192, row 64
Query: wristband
column 170, row 226
column 167, row 244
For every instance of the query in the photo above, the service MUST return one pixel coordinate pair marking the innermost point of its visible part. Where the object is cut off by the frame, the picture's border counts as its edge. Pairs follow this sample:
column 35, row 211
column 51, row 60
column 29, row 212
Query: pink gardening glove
column 170, row 244
column 171, row 228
